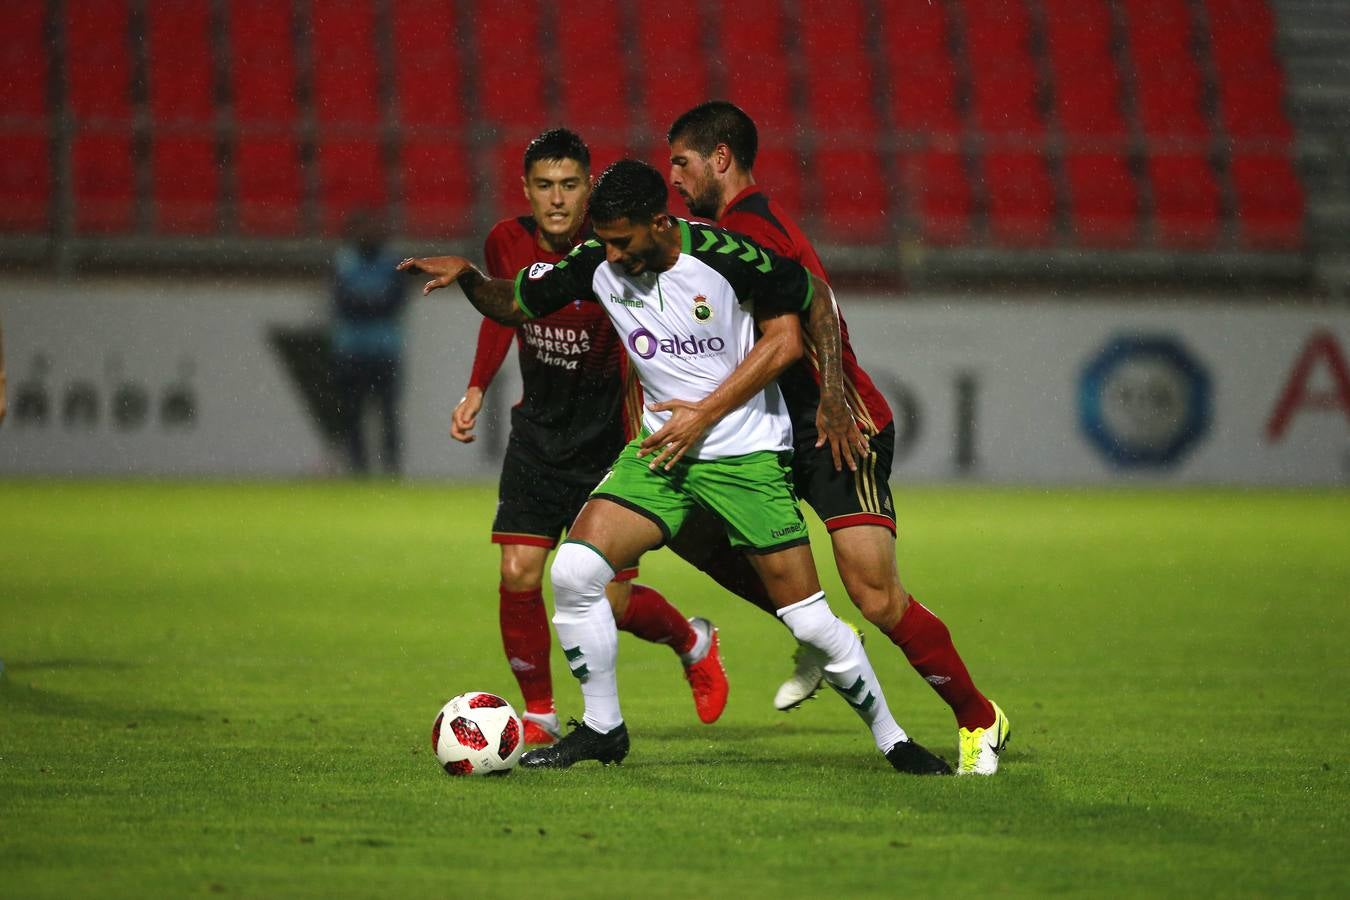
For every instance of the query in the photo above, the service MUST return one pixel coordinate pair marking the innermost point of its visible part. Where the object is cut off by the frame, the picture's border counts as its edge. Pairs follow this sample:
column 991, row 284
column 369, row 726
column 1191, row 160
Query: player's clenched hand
column 443, row 269
column 836, row 426
column 465, row 415
column 686, row 425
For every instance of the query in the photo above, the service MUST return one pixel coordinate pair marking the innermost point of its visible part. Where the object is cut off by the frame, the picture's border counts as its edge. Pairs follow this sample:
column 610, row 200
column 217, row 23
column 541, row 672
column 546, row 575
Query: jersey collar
column 741, row 198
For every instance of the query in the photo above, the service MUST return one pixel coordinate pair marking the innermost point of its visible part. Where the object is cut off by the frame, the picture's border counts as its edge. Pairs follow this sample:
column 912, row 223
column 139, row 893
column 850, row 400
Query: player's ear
column 662, row 222
column 722, row 158
column 525, row 188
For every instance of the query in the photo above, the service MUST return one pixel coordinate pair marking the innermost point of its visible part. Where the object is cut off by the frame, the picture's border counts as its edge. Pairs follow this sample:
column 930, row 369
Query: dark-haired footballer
column 708, row 321
column 565, row 431
column 712, row 157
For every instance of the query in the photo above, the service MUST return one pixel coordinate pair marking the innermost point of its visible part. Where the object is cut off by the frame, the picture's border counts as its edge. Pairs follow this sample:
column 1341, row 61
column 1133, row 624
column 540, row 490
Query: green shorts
column 752, row 494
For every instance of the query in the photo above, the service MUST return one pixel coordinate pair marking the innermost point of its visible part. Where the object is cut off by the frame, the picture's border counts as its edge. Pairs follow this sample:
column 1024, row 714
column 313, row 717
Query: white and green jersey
column 687, row 328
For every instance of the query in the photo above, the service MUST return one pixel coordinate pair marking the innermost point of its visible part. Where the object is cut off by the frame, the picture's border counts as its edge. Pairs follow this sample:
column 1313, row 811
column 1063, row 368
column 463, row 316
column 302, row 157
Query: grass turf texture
column 229, row 689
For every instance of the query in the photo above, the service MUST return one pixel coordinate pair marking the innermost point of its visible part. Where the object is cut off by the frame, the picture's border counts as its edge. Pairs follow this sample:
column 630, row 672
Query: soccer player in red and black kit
column 712, row 154
column 566, row 430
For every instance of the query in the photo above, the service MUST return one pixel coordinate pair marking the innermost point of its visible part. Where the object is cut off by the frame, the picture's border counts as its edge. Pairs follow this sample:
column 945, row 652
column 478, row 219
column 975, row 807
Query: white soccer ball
column 478, row 734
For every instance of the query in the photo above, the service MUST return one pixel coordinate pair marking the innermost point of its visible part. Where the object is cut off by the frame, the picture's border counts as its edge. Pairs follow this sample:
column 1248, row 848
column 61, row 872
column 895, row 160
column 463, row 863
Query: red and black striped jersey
column 570, row 416
column 753, row 214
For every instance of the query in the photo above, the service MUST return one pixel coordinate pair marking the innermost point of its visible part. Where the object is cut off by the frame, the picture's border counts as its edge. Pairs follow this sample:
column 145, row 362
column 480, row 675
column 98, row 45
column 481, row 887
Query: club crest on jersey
column 703, row 312
column 539, row 270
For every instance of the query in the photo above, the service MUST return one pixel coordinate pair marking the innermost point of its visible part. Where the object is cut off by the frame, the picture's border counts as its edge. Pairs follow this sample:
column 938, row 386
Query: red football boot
column 707, row 679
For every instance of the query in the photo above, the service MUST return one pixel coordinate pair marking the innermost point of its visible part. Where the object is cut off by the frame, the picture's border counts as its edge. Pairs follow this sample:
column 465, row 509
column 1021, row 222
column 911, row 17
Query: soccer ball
column 477, row 734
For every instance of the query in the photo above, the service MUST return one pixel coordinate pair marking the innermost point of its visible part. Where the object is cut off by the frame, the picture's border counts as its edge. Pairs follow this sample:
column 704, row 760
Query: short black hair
column 558, row 143
column 630, row 190
column 718, row 122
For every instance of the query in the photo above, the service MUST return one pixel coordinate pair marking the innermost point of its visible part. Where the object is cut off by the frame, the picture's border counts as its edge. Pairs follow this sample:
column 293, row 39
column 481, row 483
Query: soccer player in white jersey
column 687, row 300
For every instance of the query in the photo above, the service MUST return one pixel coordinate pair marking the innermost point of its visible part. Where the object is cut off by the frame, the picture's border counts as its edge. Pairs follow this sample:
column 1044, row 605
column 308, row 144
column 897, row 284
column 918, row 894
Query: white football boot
column 807, row 673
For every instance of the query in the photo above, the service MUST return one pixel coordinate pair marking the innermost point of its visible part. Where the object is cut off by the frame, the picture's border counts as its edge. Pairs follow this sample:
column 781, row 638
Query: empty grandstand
column 915, row 138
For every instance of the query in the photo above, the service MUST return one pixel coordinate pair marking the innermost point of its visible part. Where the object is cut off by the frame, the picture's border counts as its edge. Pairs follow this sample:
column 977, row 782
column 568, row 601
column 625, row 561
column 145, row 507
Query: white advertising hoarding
column 217, row 379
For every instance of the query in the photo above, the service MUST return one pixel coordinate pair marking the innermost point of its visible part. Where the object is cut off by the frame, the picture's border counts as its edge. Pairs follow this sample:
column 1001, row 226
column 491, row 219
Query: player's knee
column 579, row 575
column 518, row 575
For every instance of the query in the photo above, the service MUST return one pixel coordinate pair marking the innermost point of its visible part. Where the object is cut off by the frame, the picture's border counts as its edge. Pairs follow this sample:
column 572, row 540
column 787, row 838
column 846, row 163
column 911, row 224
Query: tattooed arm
column 495, row 298
column 835, row 423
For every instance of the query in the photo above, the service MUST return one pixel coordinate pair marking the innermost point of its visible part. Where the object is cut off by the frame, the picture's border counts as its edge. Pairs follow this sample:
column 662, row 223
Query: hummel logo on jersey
column 539, row 270
column 632, row 302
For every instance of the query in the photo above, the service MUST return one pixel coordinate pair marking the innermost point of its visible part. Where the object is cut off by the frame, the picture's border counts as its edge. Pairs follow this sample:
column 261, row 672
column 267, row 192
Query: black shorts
column 536, row 504
column 847, row 498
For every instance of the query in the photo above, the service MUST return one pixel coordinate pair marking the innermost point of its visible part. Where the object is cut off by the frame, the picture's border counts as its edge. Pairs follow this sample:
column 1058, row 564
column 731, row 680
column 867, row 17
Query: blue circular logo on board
column 1144, row 401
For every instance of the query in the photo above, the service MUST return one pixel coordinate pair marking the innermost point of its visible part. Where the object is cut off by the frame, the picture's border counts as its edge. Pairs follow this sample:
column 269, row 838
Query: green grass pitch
column 229, row 689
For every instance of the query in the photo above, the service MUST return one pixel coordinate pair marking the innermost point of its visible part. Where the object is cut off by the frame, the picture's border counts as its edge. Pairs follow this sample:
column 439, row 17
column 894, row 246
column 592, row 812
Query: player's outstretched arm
column 779, row 346
column 835, row 423
column 493, row 297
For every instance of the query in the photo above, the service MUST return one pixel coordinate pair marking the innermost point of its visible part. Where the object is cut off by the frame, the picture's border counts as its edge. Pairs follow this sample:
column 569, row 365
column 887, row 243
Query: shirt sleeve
column 785, row 286
column 543, row 288
column 494, row 340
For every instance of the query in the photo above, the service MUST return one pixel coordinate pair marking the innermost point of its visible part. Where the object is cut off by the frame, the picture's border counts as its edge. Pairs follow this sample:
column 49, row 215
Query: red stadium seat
column 1242, row 35
column 940, row 196
column 186, row 189
column 181, row 76
column 185, row 177
column 262, row 62
column 104, row 182
column 25, row 61
column 996, row 31
column 343, row 62
column 913, row 28
column 854, row 201
column 923, row 95
column 1087, row 104
column 268, row 187
column 1160, row 31
column 1269, row 201
column 98, row 61
column 25, row 181
column 1021, row 198
column 511, row 82
column 1252, row 106
column 1168, row 98
column 755, row 73
column 351, row 180
column 1185, row 200
column 593, row 89
column 1103, row 202
column 1078, row 35
column 25, row 145
column 1004, row 98
column 779, row 171
column 438, row 187
column 841, row 84
column 673, row 76
column 427, row 78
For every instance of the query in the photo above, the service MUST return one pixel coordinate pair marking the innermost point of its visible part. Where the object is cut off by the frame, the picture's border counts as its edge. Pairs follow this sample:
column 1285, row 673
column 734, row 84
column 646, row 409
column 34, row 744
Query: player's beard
column 703, row 204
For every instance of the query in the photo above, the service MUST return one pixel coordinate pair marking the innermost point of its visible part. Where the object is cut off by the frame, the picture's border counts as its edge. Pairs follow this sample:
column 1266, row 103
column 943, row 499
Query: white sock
column 586, row 630
column 847, row 668
column 702, row 642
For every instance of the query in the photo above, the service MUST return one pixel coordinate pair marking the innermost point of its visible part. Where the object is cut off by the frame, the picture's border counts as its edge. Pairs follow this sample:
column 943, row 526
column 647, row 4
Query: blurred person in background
column 565, row 431
column 368, row 304
column 712, row 157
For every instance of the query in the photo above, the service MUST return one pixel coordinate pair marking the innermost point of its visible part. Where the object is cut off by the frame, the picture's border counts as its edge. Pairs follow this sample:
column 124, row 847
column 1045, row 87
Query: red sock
column 527, row 641
column 651, row 617
column 927, row 644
